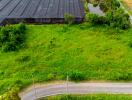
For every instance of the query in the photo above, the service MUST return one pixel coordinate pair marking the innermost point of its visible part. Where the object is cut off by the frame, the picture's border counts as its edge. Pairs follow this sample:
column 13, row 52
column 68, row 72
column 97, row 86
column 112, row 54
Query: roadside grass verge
column 90, row 97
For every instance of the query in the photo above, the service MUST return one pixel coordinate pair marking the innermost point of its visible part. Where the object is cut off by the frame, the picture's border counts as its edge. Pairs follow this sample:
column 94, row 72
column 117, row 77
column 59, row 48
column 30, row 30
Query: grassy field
column 50, row 51
column 90, row 97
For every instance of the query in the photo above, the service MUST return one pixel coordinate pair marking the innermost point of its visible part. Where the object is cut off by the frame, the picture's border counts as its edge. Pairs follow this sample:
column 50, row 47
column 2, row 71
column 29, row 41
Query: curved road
column 76, row 88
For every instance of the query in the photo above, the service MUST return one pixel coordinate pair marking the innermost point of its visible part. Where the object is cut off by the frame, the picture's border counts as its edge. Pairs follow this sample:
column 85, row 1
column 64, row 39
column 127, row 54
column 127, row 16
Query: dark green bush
column 95, row 4
column 103, row 7
column 96, row 19
column 109, row 5
column 114, row 4
column 91, row 18
column 9, row 46
column 76, row 76
column 120, row 76
column 118, row 18
column 123, row 76
column 12, row 37
column 51, row 76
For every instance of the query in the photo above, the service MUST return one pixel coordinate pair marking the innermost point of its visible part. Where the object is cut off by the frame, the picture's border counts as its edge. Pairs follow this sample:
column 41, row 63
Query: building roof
column 40, row 8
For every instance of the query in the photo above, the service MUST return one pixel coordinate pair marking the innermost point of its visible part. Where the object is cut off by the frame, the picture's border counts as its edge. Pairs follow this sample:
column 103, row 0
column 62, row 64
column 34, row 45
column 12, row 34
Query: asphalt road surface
column 95, row 10
column 76, row 88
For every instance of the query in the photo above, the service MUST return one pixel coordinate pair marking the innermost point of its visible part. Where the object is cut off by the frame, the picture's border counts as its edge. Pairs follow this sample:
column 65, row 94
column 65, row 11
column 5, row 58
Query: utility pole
column 35, row 92
column 67, row 80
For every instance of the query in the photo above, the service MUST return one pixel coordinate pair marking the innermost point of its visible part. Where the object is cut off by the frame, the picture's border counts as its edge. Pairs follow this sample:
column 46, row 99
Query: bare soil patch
column 129, row 3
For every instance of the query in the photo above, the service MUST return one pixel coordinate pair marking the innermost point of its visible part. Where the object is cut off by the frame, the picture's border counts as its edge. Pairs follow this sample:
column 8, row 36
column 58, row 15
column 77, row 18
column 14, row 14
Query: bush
column 95, row 19
column 11, row 95
column 12, row 37
column 118, row 18
column 51, row 76
column 76, row 76
column 114, row 4
column 103, row 7
column 9, row 46
column 21, row 27
column 95, row 4
column 115, row 16
column 85, row 5
column 109, row 5
column 123, row 76
column 120, row 76
column 91, row 18
column 69, row 18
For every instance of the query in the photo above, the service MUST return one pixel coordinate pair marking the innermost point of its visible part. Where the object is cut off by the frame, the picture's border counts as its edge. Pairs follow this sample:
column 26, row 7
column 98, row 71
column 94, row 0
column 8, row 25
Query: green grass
column 101, row 53
column 90, row 97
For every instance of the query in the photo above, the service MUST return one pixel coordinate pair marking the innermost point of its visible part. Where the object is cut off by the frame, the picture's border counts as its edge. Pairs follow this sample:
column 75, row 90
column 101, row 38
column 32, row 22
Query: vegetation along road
column 126, row 12
column 76, row 88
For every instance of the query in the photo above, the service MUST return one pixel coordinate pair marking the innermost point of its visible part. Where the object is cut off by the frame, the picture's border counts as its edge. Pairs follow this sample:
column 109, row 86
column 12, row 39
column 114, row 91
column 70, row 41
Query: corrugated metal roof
column 40, row 8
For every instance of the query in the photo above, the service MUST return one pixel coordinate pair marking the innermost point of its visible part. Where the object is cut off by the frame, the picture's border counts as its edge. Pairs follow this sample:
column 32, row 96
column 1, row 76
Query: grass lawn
column 90, row 97
column 101, row 53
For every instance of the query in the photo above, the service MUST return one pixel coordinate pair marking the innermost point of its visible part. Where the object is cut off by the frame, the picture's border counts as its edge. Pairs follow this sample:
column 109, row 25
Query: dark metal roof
column 40, row 8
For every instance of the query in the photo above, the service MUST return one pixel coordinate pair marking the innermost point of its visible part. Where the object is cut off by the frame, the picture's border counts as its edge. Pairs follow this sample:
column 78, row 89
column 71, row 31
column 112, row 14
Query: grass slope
column 100, row 52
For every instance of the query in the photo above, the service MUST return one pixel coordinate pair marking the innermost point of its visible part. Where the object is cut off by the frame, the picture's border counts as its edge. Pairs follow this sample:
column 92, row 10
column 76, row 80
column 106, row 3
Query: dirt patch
column 128, row 2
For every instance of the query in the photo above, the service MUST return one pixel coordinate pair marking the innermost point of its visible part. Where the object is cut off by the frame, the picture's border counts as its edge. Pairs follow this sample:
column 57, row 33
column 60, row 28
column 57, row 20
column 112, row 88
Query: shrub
column 11, row 95
column 51, row 76
column 85, row 5
column 103, row 7
column 95, row 4
column 77, row 76
column 91, row 18
column 114, row 4
column 118, row 18
column 95, row 19
column 69, row 18
column 21, row 27
column 9, row 46
column 12, row 37
column 110, row 4
column 120, row 76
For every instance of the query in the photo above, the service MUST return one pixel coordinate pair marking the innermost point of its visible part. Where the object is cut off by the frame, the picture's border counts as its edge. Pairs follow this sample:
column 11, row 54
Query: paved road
column 95, row 10
column 77, row 88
